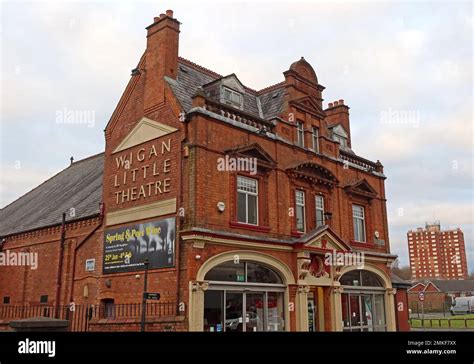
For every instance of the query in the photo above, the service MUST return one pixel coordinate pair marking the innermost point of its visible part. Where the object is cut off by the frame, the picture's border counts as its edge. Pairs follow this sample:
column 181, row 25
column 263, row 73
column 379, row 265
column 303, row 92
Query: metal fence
column 443, row 323
column 79, row 316
column 428, row 307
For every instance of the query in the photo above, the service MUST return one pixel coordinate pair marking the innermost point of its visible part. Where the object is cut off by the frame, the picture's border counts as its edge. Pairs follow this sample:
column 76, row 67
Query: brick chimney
column 338, row 113
column 161, row 57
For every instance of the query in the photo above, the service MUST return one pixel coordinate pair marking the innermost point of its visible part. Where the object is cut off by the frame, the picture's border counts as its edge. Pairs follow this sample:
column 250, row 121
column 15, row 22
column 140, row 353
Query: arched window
column 243, row 272
column 363, row 278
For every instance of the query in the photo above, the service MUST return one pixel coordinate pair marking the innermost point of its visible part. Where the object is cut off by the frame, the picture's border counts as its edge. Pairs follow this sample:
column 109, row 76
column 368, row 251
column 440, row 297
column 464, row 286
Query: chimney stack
column 161, row 58
column 338, row 113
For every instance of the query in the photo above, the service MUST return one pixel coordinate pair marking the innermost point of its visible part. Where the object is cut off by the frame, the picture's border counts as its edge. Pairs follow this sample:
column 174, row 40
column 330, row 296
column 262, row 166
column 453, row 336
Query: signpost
column 142, row 328
column 421, row 298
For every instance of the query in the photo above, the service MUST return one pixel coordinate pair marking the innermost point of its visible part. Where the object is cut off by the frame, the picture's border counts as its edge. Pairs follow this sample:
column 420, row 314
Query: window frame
column 303, row 209
column 247, row 193
column 316, row 209
column 300, row 134
column 232, row 93
column 363, row 219
column 315, row 138
column 339, row 138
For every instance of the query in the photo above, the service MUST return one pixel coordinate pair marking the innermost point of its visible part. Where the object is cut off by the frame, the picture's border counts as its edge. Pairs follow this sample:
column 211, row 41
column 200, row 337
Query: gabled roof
column 318, row 238
column 79, row 186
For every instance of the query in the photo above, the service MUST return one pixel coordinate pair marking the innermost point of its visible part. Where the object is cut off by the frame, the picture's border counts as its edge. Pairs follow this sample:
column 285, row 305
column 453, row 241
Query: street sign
column 152, row 296
column 421, row 296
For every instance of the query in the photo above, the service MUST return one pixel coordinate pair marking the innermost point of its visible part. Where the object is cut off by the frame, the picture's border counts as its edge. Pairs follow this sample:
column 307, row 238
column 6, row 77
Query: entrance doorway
column 363, row 302
column 243, row 297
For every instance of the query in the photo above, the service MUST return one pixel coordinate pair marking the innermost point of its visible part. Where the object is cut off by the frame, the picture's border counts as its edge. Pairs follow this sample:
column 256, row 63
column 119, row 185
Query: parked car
column 462, row 305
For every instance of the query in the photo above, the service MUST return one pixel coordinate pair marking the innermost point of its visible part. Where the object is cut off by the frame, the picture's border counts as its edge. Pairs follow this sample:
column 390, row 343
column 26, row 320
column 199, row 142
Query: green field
column 457, row 322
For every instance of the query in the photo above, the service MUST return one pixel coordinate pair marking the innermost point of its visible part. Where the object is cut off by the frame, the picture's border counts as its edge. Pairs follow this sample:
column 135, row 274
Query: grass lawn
column 457, row 322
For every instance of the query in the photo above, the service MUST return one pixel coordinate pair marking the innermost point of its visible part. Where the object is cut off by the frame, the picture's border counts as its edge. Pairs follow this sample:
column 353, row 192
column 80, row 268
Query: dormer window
column 340, row 139
column 232, row 97
column 340, row 135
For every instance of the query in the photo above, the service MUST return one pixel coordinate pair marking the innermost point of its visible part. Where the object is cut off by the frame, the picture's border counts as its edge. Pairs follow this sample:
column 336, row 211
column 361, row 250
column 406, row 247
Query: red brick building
column 236, row 198
column 436, row 253
column 439, row 295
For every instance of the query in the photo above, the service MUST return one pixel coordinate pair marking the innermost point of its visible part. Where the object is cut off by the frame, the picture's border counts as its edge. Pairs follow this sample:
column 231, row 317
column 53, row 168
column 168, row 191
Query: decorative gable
column 253, row 150
column 361, row 188
column 144, row 131
column 327, row 240
column 309, row 104
column 313, row 173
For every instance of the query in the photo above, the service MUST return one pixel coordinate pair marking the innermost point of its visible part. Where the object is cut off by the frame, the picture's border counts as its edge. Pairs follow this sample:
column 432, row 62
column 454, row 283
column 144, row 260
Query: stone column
column 302, row 308
column 337, row 306
column 390, row 309
column 196, row 305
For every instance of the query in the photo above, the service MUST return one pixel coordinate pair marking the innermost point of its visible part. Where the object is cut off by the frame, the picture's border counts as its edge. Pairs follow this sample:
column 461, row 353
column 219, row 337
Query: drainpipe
column 178, row 219
column 73, row 273
column 60, row 263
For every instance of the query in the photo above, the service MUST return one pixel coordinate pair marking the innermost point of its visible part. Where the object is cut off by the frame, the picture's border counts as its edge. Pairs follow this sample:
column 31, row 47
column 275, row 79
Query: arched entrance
column 244, row 296
column 363, row 301
column 241, row 291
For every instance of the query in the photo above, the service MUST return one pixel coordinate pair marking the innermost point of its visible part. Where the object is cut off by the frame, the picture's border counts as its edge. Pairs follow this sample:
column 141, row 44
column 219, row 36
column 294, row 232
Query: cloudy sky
column 404, row 68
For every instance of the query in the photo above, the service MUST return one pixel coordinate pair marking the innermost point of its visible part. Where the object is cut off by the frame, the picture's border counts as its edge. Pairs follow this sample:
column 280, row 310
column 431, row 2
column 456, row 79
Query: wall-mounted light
column 327, row 215
column 221, row 206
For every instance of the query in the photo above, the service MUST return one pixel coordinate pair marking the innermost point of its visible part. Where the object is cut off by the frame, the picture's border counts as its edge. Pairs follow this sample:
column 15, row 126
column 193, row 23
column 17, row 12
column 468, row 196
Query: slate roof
column 398, row 282
column 191, row 77
column 79, row 186
column 466, row 285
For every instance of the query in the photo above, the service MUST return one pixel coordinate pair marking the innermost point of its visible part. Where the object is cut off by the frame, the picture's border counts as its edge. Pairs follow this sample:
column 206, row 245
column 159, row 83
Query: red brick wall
column 402, row 310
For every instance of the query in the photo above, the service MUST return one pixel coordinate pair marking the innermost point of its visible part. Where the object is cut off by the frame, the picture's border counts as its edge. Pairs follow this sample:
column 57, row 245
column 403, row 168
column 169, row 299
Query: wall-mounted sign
column 127, row 247
column 90, row 265
column 152, row 296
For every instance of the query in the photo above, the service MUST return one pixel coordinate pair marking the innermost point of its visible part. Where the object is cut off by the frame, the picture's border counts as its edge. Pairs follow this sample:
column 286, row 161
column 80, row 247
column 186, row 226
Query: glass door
column 254, row 311
column 363, row 312
column 367, row 315
column 234, row 320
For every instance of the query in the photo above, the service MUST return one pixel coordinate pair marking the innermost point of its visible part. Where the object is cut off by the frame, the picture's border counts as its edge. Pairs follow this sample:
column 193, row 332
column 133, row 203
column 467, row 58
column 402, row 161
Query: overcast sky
column 405, row 70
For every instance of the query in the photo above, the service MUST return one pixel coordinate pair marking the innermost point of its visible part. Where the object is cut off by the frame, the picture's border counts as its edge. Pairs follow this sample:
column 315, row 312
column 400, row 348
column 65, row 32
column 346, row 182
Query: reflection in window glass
column 227, row 272
column 259, row 274
column 213, row 316
column 379, row 313
column 369, row 279
column 275, row 314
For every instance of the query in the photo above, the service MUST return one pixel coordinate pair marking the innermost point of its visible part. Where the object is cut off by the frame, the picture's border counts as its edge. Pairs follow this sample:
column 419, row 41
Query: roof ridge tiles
column 200, row 68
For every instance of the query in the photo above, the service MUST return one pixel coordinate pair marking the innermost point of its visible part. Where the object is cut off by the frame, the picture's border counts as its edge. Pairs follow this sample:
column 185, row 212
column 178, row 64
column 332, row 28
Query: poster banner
column 127, row 247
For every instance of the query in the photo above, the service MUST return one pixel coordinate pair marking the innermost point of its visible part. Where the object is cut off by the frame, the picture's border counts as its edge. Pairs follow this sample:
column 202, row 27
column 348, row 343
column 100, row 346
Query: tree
column 403, row 272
